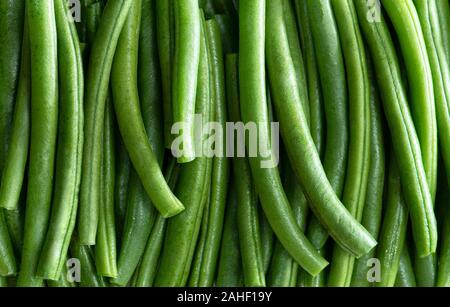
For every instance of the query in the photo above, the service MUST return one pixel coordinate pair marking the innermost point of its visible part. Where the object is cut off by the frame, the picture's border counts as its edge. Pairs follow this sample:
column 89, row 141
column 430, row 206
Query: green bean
column 443, row 278
column 319, row 281
column 12, row 21
column 98, row 76
column 123, row 170
column 220, row 171
column 93, row 17
column 70, row 147
column 106, row 247
column 393, row 232
column 7, row 259
column 426, row 270
column 355, row 187
column 132, row 128
column 229, row 271
column 254, row 109
column 140, row 212
column 405, row 275
column 63, row 281
column 185, row 70
column 15, row 222
column 429, row 19
column 405, row 141
column 443, row 10
column 146, row 272
column 250, row 237
column 165, row 38
column 13, row 173
column 229, row 31
column 44, row 118
column 88, row 273
column 183, row 230
column 3, row 282
column 324, row 202
column 372, row 214
column 333, row 81
column 317, row 120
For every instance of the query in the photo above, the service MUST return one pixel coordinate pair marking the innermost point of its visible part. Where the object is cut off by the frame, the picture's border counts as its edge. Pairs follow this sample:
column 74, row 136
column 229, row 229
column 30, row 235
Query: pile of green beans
column 128, row 131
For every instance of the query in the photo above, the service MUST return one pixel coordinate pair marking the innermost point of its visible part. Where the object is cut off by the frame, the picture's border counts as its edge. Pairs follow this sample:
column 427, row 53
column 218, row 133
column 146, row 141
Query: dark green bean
column 165, row 36
column 13, row 171
column 98, row 77
column 393, row 231
column 123, row 170
column 229, row 271
column 333, row 83
column 7, row 259
column 44, row 118
column 229, row 33
column 405, row 275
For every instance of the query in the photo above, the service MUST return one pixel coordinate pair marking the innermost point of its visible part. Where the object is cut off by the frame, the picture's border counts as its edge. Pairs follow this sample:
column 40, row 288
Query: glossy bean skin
column 185, row 70
column 372, row 214
column 70, row 147
column 254, row 109
column 131, row 125
column 356, row 183
column 393, row 231
column 298, row 141
column 97, row 81
column 165, row 37
column 248, row 223
column 44, row 118
column 443, row 10
column 333, row 83
column 141, row 214
column 405, row 143
column 183, row 230
column 221, row 164
column 229, row 271
column 405, row 275
column 106, row 245
column 12, row 167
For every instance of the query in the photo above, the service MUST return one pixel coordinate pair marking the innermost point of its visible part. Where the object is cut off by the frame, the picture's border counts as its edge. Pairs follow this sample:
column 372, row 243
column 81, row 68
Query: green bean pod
column 63, row 280
column 356, row 183
column 316, row 107
column 7, row 260
column 250, row 238
column 229, row 271
column 183, row 230
column 405, row 143
column 12, row 23
column 13, row 172
column 70, row 148
column 434, row 40
column 220, row 170
column 405, row 275
column 146, row 272
column 140, row 211
column 295, row 132
column 443, row 278
column 44, row 118
column 254, row 109
column 98, row 77
column 3, row 282
column 106, row 247
column 131, row 125
column 373, row 208
column 393, row 232
column 185, row 70
column 123, row 171
column 15, row 222
column 165, row 36
column 333, row 83
column 229, row 30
